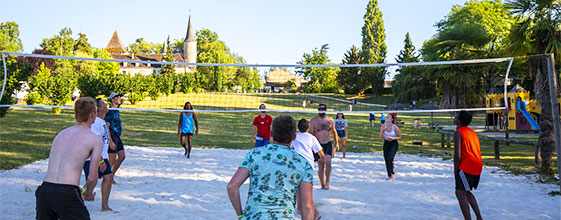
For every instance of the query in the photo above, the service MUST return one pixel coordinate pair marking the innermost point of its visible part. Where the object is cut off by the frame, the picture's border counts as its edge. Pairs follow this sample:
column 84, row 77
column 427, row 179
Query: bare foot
column 326, row 187
column 114, row 182
column 317, row 215
column 106, row 209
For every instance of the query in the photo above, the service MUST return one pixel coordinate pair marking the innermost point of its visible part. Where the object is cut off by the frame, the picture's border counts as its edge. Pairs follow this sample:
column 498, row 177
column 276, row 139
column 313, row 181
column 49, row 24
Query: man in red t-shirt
column 262, row 123
column 467, row 164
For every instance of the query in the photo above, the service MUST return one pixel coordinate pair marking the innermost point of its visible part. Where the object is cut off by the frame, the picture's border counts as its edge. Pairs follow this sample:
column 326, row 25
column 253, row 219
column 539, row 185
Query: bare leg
column 105, row 191
column 182, row 139
column 112, row 159
column 344, row 144
column 464, row 205
column 473, row 202
column 321, row 174
column 327, row 171
column 118, row 162
column 189, row 148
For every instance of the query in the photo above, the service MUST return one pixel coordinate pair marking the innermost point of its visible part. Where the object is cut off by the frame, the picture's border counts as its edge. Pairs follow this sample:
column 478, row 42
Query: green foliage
column 168, row 57
column 89, row 84
column 374, row 48
column 33, row 98
column 105, row 67
column 321, row 79
column 9, row 37
column 212, row 50
column 352, row 78
column 536, row 30
column 142, row 47
column 61, row 44
column 187, row 82
column 82, row 44
column 154, row 88
column 19, row 72
column 57, row 87
column 492, row 15
column 412, row 82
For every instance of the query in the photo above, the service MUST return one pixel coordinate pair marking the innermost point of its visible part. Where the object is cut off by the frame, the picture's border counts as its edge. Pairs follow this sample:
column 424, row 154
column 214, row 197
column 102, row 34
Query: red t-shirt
column 263, row 126
column 471, row 154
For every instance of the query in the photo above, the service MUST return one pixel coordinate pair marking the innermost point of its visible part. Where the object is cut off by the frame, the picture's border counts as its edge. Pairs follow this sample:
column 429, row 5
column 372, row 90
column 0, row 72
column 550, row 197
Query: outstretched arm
column 234, row 189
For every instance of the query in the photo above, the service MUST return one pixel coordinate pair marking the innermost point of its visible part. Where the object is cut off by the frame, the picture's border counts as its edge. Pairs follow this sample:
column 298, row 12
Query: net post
column 506, row 100
column 554, row 108
column 5, row 74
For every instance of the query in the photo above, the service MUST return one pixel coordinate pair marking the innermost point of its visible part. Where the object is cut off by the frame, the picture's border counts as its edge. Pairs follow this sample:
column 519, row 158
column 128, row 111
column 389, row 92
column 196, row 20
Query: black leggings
column 390, row 149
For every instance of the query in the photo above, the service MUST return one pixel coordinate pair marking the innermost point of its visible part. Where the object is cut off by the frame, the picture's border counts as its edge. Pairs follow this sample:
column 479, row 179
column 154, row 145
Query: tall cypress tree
column 373, row 46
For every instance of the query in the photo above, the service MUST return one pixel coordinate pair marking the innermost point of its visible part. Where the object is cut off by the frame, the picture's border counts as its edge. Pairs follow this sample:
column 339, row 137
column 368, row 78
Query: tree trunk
column 545, row 140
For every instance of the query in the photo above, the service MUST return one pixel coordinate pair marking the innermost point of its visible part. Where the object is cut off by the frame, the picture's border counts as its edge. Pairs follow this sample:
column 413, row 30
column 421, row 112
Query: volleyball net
column 147, row 83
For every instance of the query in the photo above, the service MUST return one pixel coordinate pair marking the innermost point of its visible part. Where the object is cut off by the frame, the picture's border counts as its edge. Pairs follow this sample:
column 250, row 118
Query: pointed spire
column 115, row 46
column 164, row 48
column 190, row 32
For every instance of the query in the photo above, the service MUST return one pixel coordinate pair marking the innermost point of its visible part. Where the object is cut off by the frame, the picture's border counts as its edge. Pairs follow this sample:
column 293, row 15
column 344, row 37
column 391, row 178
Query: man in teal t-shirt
column 277, row 173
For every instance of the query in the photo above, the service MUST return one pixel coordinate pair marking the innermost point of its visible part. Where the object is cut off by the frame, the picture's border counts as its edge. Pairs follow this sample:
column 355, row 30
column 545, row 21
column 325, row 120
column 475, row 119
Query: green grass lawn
column 26, row 135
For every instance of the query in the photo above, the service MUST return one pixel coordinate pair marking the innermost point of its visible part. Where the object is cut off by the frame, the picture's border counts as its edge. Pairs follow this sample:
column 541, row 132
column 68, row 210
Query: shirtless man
column 58, row 197
column 321, row 126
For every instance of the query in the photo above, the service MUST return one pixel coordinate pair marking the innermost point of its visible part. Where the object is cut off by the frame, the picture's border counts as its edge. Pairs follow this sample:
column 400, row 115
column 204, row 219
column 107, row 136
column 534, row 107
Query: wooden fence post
column 497, row 152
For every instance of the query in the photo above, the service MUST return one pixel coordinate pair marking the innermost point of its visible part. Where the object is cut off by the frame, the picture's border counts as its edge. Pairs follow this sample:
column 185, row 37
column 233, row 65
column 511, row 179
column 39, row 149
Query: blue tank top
column 187, row 123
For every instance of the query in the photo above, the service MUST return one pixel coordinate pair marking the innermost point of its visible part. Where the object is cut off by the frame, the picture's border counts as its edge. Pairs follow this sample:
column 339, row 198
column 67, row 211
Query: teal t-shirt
column 275, row 174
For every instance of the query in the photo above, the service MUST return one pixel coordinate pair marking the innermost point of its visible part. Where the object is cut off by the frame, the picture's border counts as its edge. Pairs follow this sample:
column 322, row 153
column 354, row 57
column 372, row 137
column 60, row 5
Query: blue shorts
column 341, row 133
column 261, row 143
column 99, row 173
column 118, row 144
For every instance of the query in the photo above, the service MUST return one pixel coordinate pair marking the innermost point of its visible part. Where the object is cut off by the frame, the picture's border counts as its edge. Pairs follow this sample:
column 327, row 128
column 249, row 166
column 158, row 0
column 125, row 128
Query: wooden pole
column 497, row 152
column 555, row 109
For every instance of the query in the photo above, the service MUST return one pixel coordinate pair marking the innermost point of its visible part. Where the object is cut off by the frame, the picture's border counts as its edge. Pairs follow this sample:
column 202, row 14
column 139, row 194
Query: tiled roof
column 115, row 45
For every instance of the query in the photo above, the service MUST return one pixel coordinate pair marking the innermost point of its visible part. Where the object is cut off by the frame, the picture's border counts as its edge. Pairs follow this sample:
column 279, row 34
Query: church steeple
column 190, row 44
column 190, row 32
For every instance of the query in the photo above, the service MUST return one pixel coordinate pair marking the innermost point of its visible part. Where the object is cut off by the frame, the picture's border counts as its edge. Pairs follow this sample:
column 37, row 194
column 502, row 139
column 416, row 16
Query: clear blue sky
column 263, row 32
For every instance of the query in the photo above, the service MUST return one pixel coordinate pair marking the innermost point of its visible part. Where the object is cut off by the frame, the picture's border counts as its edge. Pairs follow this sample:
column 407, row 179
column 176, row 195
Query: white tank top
column 389, row 134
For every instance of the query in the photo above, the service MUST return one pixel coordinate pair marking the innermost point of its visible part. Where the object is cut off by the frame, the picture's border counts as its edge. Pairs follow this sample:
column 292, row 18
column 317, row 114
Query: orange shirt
column 470, row 152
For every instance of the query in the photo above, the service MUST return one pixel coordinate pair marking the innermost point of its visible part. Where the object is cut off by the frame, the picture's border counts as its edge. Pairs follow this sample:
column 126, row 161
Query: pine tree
column 411, row 83
column 373, row 46
column 168, row 57
column 351, row 78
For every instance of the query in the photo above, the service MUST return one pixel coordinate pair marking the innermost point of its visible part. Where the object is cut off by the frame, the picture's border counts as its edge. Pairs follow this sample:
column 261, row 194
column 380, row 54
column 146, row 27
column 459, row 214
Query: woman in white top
column 390, row 133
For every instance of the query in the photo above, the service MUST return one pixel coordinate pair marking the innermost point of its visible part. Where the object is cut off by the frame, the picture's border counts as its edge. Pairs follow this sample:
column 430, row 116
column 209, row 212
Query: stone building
column 189, row 55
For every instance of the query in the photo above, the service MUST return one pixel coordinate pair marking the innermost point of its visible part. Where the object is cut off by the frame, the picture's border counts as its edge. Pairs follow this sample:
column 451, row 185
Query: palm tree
column 538, row 31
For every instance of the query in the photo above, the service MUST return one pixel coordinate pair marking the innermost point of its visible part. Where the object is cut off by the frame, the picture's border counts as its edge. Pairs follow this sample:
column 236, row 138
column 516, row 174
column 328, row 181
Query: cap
column 113, row 95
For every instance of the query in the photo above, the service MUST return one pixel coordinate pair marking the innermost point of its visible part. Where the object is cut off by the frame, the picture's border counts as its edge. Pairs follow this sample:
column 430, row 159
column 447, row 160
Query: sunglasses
column 322, row 108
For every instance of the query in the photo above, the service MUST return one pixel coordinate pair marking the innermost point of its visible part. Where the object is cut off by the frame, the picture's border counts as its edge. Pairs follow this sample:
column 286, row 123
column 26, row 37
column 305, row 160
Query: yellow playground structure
column 523, row 112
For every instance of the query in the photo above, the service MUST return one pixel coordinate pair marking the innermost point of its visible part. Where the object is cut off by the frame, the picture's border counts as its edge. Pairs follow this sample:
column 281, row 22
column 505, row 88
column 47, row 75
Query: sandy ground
column 159, row 183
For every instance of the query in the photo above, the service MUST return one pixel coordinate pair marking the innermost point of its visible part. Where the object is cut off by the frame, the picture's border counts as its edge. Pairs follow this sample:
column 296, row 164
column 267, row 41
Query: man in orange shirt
column 467, row 164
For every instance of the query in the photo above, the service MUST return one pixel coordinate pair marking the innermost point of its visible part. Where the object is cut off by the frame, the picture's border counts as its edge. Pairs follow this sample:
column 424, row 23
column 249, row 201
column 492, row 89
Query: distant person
column 394, row 118
column 100, row 129
column 304, row 103
column 116, row 148
column 341, row 128
column 414, row 104
column 382, row 119
column 186, row 128
column 321, row 127
column 277, row 176
column 390, row 133
column 467, row 164
column 58, row 197
column 262, row 123
column 372, row 119
column 306, row 145
column 350, row 107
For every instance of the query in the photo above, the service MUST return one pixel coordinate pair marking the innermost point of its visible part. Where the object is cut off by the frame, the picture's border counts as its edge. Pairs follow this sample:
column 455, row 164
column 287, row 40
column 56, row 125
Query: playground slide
column 521, row 106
